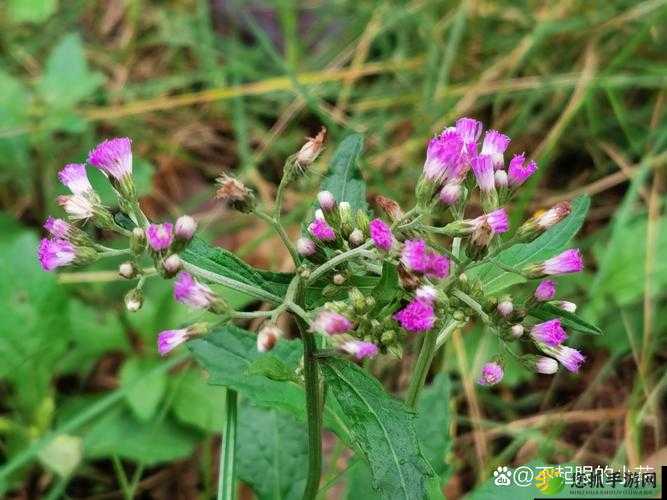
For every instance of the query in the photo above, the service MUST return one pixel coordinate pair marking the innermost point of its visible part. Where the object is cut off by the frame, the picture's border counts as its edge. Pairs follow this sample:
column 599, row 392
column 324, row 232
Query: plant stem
column 113, row 252
column 339, row 259
column 227, row 466
column 421, row 368
column 473, row 304
column 280, row 230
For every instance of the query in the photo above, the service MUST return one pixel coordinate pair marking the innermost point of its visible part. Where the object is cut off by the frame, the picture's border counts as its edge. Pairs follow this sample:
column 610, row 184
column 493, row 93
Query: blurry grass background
column 209, row 86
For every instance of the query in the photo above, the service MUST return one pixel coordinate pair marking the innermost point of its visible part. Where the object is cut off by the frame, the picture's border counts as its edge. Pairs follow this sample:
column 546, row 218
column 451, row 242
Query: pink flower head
column 417, row 316
column 550, row 333
column 326, row 200
column 469, row 129
column 381, row 234
column 554, row 215
column 482, row 167
column 321, row 230
column 73, row 175
column 450, row 193
column 492, row 373
column 57, row 228
column 414, row 255
column 518, row 171
column 54, row 253
column 495, row 145
column 570, row 358
column 546, row 290
column 331, row 323
column 437, row 265
column 113, row 157
column 359, row 349
column 427, row 293
column 190, row 292
column 168, row 340
column 443, row 156
column 569, row 261
column 77, row 206
column 185, row 227
column 160, row 236
column 305, row 247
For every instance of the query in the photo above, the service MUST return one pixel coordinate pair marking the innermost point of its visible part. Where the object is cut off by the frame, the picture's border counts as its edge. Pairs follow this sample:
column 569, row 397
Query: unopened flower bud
column 356, row 238
column 543, row 220
column 546, row 365
column 517, row 331
column 311, row 149
column 505, row 307
column 501, row 179
column 390, row 207
column 358, row 300
column 170, row 339
column 137, row 241
column 184, row 228
column 492, row 373
column 326, row 200
column 172, row 265
column 388, row 337
column 305, row 247
column 268, row 336
column 134, row 299
column 338, row 279
column 450, row 193
column 570, row 307
column 345, row 212
column 235, row 194
column 127, row 270
column 361, row 220
column 160, row 236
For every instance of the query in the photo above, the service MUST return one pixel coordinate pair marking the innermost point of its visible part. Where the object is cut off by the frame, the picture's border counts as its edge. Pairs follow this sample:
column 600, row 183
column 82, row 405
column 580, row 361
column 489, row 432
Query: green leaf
column 569, row 320
column 344, row 179
column 272, row 453
column 433, row 422
column 553, row 241
column 224, row 263
column 388, row 287
column 62, row 455
column 272, row 368
column 67, row 80
column 382, row 428
column 30, row 11
column 197, row 403
column 148, row 386
column 14, row 110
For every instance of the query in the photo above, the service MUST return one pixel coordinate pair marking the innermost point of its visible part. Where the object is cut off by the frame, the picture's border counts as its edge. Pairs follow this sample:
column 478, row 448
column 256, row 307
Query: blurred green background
column 210, row 86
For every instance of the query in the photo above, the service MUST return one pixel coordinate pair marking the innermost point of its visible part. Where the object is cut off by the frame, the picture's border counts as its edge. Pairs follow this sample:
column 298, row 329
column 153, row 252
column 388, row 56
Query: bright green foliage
column 147, row 386
column 344, row 178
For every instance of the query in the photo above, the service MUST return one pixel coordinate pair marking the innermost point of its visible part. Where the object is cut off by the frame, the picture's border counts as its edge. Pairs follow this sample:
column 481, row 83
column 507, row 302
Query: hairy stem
column 339, row 259
column 473, row 304
column 227, row 467
column 280, row 230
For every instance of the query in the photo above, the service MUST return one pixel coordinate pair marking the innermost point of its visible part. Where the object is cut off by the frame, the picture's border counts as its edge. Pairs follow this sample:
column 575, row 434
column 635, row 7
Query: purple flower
column 321, row 230
column 326, row 200
column 570, row 358
column 518, row 172
column 498, row 221
column 500, row 179
column 168, row 340
column 331, row 323
column 443, row 156
column 414, row 255
column 305, row 247
column 57, row 228
column 482, row 167
column 492, row 373
column 77, row 206
column 546, row 365
column 426, row 293
column 437, row 265
column 190, row 292
column 546, row 290
column 469, row 129
column 160, row 236
column 450, row 193
column 381, row 234
column 569, row 261
column 113, row 157
column 54, row 253
column 495, row 145
column 185, row 228
column 550, row 333
column 73, row 175
column 359, row 349
column 417, row 316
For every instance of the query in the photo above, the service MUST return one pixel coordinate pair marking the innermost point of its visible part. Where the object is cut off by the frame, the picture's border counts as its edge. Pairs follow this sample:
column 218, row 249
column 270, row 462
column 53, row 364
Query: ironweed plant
column 363, row 285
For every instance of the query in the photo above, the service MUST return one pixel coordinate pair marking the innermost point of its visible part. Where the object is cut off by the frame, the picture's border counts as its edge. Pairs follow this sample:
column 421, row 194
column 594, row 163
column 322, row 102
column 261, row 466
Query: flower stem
column 280, row 230
column 421, row 368
column 227, row 467
column 339, row 259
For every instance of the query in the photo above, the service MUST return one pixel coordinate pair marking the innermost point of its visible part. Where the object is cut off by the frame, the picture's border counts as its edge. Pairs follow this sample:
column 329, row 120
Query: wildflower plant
column 365, row 284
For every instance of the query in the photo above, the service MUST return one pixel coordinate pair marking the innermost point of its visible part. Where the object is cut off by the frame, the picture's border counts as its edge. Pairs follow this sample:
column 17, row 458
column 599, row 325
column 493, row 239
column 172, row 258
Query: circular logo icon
column 523, row 476
column 549, row 481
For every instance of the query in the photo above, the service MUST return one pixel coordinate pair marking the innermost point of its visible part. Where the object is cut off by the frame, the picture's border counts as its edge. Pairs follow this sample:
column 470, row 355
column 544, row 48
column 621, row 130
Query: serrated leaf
column 148, row 386
column 272, row 453
column 344, row 179
column 224, row 263
column 66, row 79
column 382, row 428
column 569, row 320
column 553, row 241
